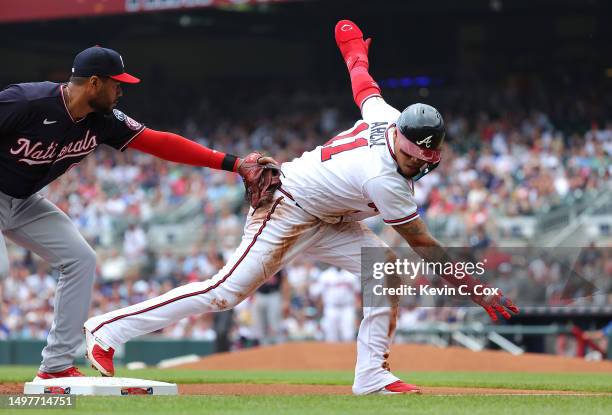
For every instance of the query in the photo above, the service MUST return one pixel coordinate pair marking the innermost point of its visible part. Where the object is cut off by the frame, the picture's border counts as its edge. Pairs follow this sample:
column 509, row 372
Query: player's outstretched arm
column 259, row 173
column 418, row 237
column 173, row 147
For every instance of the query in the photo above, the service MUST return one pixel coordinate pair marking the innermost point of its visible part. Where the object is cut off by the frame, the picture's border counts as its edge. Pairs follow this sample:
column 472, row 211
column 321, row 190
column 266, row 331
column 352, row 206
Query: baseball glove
column 261, row 177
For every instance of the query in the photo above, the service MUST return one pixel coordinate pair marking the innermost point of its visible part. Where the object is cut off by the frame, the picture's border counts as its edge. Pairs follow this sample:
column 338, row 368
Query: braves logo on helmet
column 426, row 141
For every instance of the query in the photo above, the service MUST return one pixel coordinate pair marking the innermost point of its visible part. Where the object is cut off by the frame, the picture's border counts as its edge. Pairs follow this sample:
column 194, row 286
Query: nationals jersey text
column 354, row 175
column 39, row 140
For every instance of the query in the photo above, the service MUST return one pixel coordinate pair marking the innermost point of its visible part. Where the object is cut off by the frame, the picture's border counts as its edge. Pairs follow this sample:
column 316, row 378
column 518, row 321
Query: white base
column 99, row 386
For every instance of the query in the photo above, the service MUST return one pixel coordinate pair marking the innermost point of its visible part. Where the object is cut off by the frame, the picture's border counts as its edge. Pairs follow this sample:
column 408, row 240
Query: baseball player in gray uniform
column 45, row 129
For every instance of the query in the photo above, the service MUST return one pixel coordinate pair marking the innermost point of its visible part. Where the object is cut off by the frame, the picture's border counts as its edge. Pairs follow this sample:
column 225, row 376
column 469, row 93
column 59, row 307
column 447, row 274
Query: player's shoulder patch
column 119, row 115
column 131, row 123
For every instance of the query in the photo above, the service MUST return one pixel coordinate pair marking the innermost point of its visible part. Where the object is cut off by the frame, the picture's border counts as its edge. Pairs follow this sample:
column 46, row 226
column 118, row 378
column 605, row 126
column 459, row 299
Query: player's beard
column 99, row 106
column 409, row 172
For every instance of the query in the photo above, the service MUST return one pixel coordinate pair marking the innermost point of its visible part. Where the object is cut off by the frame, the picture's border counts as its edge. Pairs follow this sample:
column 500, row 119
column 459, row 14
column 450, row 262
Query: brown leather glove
column 261, row 177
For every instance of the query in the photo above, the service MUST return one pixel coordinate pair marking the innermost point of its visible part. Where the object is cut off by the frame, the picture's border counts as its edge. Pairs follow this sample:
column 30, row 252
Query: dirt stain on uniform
column 392, row 281
column 276, row 258
column 385, row 364
column 221, row 304
column 272, row 261
column 393, row 320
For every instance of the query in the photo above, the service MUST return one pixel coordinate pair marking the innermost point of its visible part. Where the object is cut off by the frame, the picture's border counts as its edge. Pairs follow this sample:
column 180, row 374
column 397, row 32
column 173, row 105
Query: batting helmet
column 421, row 132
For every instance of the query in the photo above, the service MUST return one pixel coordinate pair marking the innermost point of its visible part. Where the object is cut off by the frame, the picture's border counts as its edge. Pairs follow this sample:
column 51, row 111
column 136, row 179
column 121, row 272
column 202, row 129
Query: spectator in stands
column 271, row 304
column 338, row 292
column 134, row 244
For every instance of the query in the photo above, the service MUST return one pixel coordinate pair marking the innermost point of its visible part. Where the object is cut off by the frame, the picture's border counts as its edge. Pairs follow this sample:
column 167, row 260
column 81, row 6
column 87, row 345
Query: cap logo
column 346, row 27
column 122, row 65
column 426, row 141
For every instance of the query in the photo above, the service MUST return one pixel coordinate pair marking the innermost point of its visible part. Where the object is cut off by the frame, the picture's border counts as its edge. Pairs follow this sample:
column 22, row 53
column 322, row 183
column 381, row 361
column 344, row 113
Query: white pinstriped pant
column 273, row 236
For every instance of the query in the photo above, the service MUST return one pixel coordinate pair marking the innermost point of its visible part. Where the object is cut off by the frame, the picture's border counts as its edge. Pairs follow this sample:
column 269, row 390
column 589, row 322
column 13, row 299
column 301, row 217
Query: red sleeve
column 363, row 84
column 173, row 147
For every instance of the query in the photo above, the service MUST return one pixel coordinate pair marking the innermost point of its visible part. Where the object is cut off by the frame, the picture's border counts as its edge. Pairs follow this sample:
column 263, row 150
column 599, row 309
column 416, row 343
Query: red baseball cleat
column 99, row 354
column 349, row 39
column 398, row 387
column 346, row 30
column 71, row 372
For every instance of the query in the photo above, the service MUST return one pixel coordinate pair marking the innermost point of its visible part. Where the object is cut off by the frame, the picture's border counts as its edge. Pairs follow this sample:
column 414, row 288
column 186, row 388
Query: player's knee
column 86, row 258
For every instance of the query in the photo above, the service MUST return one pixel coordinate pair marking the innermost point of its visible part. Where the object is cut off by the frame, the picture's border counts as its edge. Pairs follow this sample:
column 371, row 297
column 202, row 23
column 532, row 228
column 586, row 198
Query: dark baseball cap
column 102, row 62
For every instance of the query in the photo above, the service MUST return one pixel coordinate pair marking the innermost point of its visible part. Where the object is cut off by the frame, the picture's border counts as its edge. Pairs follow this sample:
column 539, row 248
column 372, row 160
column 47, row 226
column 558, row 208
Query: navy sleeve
column 120, row 130
column 14, row 109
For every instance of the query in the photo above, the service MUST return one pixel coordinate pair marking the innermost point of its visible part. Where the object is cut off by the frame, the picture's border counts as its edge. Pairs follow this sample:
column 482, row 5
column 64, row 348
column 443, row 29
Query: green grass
column 584, row 382
column 340, row 404
column 331, row 405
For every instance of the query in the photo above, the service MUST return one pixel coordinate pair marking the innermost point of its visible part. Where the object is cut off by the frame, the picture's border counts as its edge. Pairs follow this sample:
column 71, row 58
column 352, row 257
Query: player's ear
column 95, row 82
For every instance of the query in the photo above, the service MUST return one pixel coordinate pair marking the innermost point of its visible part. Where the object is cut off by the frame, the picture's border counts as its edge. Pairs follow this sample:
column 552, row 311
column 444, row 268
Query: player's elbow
column 422, row 241
column 416, row 234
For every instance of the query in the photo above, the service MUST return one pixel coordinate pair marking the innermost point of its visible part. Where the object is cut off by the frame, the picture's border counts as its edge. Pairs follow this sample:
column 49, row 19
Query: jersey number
column 329, row 149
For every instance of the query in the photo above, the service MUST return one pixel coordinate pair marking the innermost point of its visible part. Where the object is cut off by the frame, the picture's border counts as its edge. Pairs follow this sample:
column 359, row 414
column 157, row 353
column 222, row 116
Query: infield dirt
column 404, row 358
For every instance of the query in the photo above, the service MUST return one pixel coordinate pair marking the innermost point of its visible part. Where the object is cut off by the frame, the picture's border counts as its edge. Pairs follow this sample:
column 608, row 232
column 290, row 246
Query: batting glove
column 496, row 303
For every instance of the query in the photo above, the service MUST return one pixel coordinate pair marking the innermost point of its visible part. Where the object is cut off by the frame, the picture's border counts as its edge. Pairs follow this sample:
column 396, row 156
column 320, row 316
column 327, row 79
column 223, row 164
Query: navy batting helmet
column 420, row 128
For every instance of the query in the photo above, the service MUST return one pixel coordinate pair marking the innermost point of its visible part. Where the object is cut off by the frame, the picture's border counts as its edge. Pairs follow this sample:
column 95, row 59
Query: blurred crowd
column 503, row 158
column 307, row 300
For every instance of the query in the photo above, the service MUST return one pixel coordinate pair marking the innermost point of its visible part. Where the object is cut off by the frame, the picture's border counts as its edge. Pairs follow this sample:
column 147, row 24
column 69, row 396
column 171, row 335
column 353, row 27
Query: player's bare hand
column 261, row 177
column 496, row 303
column 353, row 47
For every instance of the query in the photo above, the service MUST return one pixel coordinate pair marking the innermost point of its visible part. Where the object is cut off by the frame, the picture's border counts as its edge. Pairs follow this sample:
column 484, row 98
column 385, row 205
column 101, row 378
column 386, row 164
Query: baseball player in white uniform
column 365, row 171
column 338, row 290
